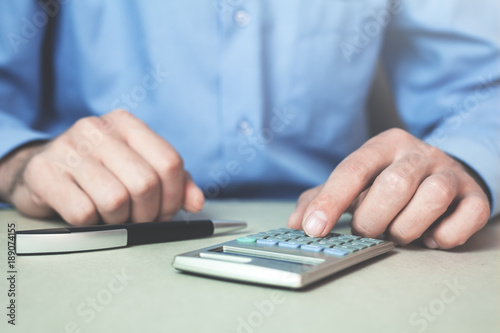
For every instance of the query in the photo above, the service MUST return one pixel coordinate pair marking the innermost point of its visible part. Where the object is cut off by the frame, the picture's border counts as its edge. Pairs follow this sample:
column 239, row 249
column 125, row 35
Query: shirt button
column 245, row 128
column 242, row 18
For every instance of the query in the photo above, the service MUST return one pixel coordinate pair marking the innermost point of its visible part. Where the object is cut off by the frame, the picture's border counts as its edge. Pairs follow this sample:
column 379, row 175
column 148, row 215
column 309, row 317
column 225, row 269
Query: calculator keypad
column 332, row 244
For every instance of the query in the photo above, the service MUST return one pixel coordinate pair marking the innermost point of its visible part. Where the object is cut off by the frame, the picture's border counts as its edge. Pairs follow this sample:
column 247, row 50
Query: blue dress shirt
column 260, row 98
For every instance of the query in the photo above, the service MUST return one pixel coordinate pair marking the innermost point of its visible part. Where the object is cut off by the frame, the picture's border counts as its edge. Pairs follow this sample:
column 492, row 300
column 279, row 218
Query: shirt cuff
column 13, row 137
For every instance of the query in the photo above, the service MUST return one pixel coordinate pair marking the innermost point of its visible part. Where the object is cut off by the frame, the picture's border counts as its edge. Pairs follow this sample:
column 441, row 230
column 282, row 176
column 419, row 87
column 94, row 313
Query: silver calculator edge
column 279, row 267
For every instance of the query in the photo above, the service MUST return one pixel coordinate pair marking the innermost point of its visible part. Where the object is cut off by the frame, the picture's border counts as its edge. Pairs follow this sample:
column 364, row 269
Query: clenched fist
column 112, row 168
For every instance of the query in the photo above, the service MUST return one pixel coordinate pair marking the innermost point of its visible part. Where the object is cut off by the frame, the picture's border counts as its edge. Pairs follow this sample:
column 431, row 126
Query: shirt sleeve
column 442, row 59
column 22, row 29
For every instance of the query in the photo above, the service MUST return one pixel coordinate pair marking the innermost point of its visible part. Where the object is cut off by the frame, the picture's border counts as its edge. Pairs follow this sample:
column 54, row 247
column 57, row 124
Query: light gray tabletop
column 135, row 289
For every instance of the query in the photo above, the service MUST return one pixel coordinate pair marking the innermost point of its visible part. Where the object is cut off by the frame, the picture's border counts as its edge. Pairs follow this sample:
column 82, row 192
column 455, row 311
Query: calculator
column 281, row 257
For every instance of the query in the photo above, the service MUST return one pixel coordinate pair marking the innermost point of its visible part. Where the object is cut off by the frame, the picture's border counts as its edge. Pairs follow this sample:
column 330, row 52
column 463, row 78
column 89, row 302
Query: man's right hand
column 113, row 168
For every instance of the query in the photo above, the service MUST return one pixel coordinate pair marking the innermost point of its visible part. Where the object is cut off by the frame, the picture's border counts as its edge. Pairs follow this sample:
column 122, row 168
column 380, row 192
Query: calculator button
column 335, row 242
column 358, row 245
column 346, row 248
column 308, row 239
column 373, row 240
column 352, row 237
column 246, row 239
column 267, row 242
column 321, row 243
column 271, row 232
column 368, row 244
column 305, row 242
column 312, row 248
column 277, row 239
column 297, row 232
column 258, row 236
column 289, row 245
column 336, row 252
column 282, row 237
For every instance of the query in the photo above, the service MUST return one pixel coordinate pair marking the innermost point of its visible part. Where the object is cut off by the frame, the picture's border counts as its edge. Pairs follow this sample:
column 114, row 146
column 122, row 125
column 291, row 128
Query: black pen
column 100, row 237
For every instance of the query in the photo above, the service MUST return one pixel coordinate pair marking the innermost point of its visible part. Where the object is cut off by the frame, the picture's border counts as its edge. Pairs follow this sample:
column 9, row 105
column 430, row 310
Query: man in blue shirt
column 253, row 98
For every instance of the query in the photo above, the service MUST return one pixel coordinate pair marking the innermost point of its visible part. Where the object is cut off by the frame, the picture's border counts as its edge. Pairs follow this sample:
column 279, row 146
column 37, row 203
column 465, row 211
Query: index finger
column 350, row 178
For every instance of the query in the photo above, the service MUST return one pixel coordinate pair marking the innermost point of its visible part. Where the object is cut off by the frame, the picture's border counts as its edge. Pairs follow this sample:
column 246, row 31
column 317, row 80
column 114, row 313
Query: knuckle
column 119, row 113
column 145, row 185
column 357, row 169
column 36, row 163
column 171, row 165
column 62, row 143
column 396, row 134
column 416, row 160
column 395, row 181
column 434, row 153
column 85, row 123
column 115, row 200
column 118, row 116
column 441, row 191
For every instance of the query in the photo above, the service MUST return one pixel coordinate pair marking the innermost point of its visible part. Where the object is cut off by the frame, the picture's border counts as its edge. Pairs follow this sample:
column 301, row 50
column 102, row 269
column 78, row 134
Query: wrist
column 12, row 167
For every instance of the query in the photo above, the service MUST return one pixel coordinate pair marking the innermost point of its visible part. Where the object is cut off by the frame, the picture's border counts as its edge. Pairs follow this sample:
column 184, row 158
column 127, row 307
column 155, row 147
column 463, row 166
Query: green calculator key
column 246, row 240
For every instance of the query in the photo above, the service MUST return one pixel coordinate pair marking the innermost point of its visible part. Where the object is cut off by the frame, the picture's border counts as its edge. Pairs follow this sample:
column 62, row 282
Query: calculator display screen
column 265, row 254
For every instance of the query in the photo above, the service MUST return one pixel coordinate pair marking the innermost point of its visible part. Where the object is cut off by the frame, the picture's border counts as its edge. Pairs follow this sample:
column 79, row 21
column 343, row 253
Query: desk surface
column 136, row 290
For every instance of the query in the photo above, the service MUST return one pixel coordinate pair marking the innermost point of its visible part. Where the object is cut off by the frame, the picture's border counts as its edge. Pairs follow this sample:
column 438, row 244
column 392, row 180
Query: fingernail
column 315, row 223
column 430, row 243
